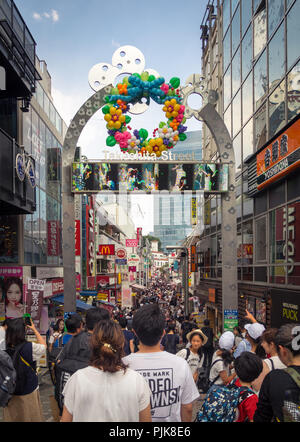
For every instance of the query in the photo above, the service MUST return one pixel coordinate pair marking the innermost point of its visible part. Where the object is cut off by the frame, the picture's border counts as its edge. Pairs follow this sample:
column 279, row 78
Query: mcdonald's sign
column 106, row 249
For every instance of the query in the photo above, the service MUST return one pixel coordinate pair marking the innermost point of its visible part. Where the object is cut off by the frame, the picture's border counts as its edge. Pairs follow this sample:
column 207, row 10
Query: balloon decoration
column 131, row 91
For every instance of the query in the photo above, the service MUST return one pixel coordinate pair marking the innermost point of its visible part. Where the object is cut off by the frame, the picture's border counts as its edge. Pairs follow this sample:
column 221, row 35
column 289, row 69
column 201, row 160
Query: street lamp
column 185, row 282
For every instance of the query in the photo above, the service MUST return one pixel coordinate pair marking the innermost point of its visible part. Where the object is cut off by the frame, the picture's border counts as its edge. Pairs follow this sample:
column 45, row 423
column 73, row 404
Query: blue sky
column 74, row 35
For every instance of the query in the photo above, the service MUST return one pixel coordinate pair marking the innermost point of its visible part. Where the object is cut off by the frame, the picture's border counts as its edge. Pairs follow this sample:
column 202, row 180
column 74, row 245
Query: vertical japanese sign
column 193, row 258
column 90, row 242
column 194, row 211
column 34, row 301
column 53, row 228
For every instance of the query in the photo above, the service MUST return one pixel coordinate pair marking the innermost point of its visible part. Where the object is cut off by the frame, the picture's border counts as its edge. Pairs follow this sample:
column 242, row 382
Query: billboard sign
column 106, row 250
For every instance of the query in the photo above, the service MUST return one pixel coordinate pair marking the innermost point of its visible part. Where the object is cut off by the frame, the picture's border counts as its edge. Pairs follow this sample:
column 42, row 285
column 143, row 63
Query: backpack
column 221, row 403
column 8, row 378
column 290, row 409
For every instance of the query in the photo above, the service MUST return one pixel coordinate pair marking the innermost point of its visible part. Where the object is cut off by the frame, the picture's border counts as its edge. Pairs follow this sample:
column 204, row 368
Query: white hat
column 255, row 330
column 197, row 332
column 226, row 340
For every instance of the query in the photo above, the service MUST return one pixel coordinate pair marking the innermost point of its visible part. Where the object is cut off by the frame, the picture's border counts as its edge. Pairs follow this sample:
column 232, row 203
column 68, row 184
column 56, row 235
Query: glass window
column 47, row 105
column 43, row 225
column 293, row 98
column 261, row 239
column 235, row 30
column 276, row 57
column 226, row 50
column 226, row 15
column 27, row 130
column 248, row 139
column 236, row 72
column 227, row 119
column 28, row 259
column 293, row 186
column 246, row 14
column 42, row 159
column 277, row 109
column 260, row 80
column 260, row 203
column 248, row 203
column 39, row 94
column 35, row 145
column 293, row 34
column 234, row 5
column 247, row 99
column 247, row 53
column 58, row 123
column 52, row 114
column 260, row 121
column 236, row 113
column 255, row 4
column 292, row 252
column 227, row 87
column 260, row 274
column 237, row 146
column 9, row 239
column 260, row 32
column 275, row 13
column 277, row 195
column 247, row 251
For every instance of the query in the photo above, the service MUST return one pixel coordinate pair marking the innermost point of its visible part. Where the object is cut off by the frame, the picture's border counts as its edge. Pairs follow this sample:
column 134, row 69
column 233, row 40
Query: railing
column 18, row 40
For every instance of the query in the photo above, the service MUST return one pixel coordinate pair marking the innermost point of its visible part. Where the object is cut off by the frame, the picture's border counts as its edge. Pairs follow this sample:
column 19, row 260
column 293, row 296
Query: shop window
column 277, row 195
column 247, row 274
column 293, row 92
column 261, row 239
column 247, row 244
column 292, row 250
column 293, row 186
column 260, row 203
column 277, row 236
column 294, row 276
column 277, row 274
column 8, row 239
column 260, row 274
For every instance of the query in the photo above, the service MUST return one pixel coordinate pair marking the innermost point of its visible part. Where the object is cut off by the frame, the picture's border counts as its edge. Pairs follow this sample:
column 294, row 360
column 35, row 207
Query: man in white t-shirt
column 169, row 377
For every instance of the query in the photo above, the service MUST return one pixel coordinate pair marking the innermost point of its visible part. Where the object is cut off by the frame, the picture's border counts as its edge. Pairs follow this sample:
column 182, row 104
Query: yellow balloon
column 117, row 125
column 158, row 153
column 110, row 124
column 174, row 114
column 112, row 110
column 107, row 117
column 159, row 141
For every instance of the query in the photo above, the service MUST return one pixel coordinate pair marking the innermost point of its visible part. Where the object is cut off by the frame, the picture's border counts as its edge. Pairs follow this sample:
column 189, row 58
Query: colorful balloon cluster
column 130, row 92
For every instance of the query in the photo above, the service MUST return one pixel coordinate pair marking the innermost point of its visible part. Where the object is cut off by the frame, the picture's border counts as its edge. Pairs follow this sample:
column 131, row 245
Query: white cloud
column 115, row 44
column 52, row 15
column 37, row 16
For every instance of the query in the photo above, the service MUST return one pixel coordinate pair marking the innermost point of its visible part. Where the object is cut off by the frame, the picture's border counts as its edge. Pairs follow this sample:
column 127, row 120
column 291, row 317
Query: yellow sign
column 133, row 294
column 102, row 297
column 207, row 210
column 194, row 211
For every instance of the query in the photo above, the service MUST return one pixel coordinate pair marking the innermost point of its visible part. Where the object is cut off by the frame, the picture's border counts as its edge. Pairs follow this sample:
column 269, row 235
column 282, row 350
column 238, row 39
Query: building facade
column 251, row 57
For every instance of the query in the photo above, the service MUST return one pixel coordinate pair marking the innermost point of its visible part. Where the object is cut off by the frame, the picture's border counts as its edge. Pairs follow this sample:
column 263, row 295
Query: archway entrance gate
column 195, row 84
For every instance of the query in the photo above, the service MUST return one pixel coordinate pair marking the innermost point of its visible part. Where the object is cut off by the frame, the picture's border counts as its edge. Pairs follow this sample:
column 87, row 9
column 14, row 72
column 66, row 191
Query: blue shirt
column 65, row 339
column 244, row 345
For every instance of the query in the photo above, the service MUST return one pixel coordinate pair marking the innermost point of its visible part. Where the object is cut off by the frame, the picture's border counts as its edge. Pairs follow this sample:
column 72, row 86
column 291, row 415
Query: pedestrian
column 252, row 339
column 194, row 354
column 56, row 339
column 238, row 336
column 170, row 340
column 106, row 390
column 169, row 377
column 280, row 391
column 186, row 327
column 77, row 352
column 208, row 348
column 25, row 404
column 3, row 329
column 128, row 335
column 221, row 370
column 273, row 361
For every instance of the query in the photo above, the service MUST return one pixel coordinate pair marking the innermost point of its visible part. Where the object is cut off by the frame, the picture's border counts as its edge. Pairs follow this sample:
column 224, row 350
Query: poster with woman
column 12, row 289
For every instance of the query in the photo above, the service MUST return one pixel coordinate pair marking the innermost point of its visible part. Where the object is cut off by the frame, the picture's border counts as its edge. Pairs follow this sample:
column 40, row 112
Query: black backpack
column 8, row 378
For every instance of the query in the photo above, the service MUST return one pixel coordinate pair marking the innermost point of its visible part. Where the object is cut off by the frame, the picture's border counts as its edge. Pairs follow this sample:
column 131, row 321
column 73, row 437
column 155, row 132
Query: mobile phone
column 27, row 319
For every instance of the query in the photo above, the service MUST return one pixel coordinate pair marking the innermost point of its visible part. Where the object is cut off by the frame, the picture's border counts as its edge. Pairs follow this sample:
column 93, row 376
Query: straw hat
column 198, row 332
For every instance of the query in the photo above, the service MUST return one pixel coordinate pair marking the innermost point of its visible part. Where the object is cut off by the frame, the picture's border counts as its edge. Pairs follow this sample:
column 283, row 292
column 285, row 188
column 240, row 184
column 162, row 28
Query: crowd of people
column 158, row 362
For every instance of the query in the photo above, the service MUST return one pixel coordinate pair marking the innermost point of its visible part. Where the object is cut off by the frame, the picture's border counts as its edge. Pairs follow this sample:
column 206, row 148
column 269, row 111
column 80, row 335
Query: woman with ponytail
column 107, row 390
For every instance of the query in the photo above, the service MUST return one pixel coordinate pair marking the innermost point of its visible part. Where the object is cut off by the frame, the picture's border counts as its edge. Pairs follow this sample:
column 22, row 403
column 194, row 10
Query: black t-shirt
column 210, row 335
column 272, row 395
column 170, row 342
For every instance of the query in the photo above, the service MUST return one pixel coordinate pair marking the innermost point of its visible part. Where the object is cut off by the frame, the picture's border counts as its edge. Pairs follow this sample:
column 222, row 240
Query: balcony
column 16, row 197
column 17, row 47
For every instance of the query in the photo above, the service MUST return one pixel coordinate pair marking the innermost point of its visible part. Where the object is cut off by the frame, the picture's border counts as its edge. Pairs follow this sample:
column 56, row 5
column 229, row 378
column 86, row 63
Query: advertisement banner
column 132, row 243
column 194, row 211
column 90, row 238
column 12, row 302
column 106, row 250
column 126, row 295
column 34, row 299
column 193, row 258
column 230, row 319
column 102, row 280
column 77, row 238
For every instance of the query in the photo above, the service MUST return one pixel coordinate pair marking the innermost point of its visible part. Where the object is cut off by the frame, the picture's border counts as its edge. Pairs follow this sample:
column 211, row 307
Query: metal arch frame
column 209, row 115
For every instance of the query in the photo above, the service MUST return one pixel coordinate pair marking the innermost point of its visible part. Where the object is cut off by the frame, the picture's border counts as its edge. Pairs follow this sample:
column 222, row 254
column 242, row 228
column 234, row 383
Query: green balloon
column 127, row 119
column 144, row 76
column 136, row 75
column 182, row 137
column 111, row 141
column 143, row 133
column 151, row 78
column 175, row 82
column 183, row 120
column 115, row 91
column 161, row 124
column 105, row 109
column 125, row 80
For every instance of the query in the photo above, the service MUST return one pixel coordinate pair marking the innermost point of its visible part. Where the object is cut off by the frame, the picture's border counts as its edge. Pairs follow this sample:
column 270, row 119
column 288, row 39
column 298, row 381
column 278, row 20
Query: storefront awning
column 79, row 304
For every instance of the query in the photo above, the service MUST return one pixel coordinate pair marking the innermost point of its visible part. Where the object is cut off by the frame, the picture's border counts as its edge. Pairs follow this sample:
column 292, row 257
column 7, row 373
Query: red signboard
column 121, row 253
column 102, row 280
column 77, row 237
column 132, row 243
column 106, row 249
column 90, row 238
column 193, row 258
column 53, row 230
